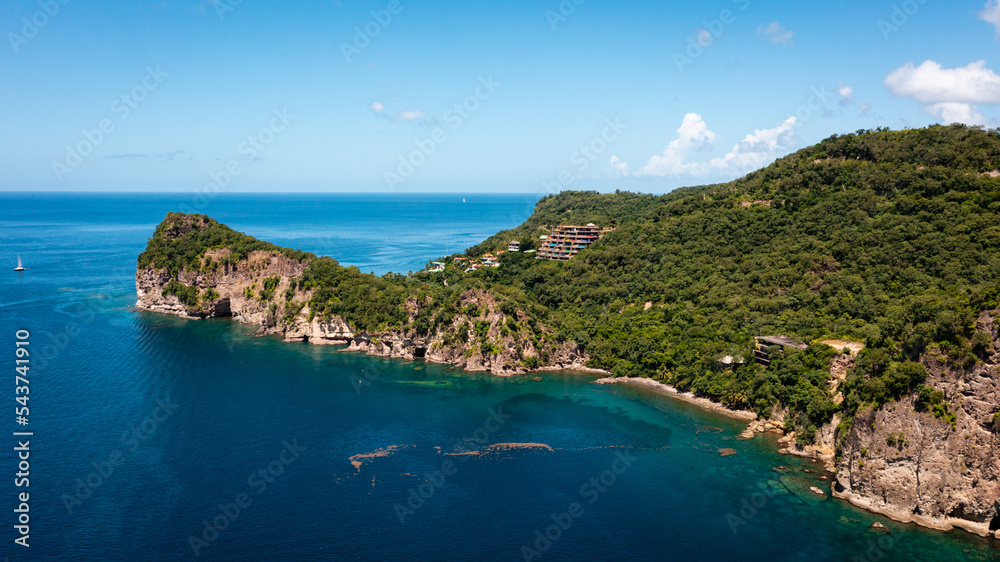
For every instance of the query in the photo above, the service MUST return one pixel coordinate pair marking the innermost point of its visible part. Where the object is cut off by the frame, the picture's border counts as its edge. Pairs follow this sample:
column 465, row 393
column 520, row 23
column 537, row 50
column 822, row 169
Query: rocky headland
column 263, row 289
column 939, row 469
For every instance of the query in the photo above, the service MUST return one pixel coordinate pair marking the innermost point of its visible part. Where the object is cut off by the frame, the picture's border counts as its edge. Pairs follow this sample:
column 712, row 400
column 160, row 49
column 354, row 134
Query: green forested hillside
column 886, row 237
column 891, row 238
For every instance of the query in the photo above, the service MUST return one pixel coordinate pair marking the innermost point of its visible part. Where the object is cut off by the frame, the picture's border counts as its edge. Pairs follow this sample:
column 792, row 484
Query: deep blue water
column 189, row 411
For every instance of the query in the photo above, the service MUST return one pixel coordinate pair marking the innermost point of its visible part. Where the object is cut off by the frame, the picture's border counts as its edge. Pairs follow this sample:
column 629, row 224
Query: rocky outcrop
column 462, row 343
column 824, row 444
column 912, row 466
column 479, row 341
column 823, row 447
column 907, row 464
column 236, row 287
column 317, row 331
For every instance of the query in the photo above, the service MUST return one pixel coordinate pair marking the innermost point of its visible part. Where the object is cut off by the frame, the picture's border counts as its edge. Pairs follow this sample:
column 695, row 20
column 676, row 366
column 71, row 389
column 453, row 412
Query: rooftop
column 782, row 341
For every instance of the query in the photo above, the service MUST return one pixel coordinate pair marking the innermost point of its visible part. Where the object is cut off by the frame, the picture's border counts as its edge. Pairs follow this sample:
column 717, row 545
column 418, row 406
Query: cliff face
column 824, row 444
column 231, row 282
column 234, row 290
column 463, row 347
column 913, row 466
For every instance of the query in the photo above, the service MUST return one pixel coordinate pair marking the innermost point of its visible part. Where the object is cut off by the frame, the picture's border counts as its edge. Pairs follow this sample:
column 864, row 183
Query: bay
column 148, row 427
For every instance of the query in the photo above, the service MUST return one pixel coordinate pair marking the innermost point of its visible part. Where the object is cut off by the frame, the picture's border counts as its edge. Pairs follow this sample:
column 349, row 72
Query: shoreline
column 945, row 525
column 942, row 524
column 574, row 367
column 350, row 347
column 689, row 397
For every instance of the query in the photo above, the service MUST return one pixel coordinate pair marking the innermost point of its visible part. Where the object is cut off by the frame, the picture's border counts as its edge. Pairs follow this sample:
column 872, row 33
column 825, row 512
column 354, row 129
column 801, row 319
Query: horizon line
column 456, row 193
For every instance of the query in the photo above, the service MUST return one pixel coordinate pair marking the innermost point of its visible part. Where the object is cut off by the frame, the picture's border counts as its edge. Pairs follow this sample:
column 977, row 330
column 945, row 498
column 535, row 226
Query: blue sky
column 468, row 96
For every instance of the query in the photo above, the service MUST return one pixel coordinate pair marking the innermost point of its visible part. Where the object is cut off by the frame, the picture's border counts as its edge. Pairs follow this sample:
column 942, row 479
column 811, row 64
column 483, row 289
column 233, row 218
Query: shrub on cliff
column 930, row 400
column 267, row 291
column 184, row 293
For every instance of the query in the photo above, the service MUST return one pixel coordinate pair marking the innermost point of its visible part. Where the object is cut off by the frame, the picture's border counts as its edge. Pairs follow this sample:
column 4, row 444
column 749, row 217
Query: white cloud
column 755, row 150
column 619, row 167
column 991, row 14
column 405, row 115
column 929, row 83
column 692, row 135
column 950, row 94
column 952, row 112
column 776, row 33
column 759, row 148
column 846, row 94
column 410, row 115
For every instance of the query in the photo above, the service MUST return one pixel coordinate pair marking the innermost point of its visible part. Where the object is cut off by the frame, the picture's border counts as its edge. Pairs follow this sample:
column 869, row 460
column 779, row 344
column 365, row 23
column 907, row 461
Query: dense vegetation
column 889, row 238
column 365, row 301
column 885, row 237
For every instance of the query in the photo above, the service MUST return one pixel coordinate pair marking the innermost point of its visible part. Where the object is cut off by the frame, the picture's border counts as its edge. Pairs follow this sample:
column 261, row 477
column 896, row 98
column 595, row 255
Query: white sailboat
column 20, row 266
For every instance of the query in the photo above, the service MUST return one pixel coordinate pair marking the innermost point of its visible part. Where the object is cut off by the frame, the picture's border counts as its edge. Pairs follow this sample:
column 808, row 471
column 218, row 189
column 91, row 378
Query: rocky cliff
column 941, row 472
column 262, row 289
column 233, row 285
column 903, row 461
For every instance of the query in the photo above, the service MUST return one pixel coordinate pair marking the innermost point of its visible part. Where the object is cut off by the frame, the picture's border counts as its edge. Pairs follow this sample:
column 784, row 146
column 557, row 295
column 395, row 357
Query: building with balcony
column 566, row 241
column 761, row 344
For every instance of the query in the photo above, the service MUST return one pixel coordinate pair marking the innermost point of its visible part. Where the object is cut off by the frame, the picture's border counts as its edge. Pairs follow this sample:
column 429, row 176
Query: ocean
column 158, row 438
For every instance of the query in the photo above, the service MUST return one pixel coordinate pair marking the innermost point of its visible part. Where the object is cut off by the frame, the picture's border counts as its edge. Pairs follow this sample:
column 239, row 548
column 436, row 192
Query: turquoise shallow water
column 191, row 411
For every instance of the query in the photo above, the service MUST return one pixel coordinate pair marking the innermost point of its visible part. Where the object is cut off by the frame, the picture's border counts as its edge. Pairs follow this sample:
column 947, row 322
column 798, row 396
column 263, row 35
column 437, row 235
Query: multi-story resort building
column 567, row 241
